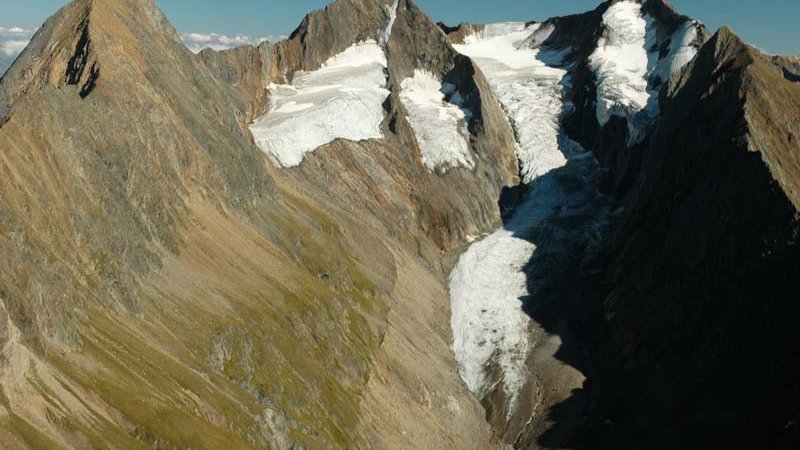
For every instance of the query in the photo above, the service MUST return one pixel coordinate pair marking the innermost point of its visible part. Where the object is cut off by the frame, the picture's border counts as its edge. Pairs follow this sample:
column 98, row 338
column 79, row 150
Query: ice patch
column 529, row 89
column 440, row 127
column 343, row 99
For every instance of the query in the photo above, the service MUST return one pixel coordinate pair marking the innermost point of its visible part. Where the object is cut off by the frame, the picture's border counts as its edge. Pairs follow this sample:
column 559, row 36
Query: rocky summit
column 386, row 233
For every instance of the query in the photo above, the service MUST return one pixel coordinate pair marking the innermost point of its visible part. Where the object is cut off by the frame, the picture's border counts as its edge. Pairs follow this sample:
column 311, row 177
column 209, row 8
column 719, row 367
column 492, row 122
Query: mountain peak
column 326, row 32
column 86, row 41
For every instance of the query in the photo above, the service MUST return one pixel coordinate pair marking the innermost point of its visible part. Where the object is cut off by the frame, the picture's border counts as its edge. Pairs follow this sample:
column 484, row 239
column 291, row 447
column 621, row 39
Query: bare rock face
column 247, row 69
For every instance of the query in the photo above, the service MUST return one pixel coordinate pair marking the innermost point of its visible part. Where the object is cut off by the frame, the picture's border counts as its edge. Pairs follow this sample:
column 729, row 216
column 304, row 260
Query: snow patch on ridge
column 529, row 88
column 620, row 63
column 439, row 127
column 682, row 49
column 630, row 68
column 343, row 99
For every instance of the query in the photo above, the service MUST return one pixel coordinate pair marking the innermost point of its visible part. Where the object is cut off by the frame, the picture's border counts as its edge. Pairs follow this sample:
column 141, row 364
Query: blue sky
column 769, row 24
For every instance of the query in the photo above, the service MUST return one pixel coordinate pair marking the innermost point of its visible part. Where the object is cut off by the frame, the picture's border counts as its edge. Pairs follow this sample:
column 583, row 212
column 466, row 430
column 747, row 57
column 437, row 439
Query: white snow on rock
column 488, row 283
column 439, row 127
column 529, row 89
column 343, row 99
column 630, row 69
column 682, row 49
column 392, row 19
column 620, row 63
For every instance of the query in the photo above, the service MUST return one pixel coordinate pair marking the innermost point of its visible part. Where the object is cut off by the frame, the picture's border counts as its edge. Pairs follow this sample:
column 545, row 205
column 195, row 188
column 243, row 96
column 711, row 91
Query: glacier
column 529, row 85
column 489, row 281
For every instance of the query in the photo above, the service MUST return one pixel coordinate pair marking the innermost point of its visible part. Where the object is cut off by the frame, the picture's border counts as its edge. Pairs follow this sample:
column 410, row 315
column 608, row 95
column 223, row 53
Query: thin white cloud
column 14, row 31
column 12, row 41
column 13, row 48
column 196, row 42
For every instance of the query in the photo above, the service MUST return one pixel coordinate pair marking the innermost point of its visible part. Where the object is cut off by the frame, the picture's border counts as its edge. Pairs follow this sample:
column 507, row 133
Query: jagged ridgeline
column 383, row 232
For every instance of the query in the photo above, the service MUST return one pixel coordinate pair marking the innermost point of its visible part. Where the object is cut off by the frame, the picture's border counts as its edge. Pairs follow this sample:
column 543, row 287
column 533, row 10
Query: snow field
column 439, row 127
column 343, row 99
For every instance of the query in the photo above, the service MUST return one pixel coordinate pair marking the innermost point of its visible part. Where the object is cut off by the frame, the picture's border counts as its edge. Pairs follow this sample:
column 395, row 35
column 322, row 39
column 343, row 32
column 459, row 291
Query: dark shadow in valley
column 561, row 216
column 564, row 215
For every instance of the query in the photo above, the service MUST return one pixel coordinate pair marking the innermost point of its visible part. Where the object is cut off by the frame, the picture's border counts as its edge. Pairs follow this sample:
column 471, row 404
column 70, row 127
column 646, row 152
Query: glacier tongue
column 343, row 99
